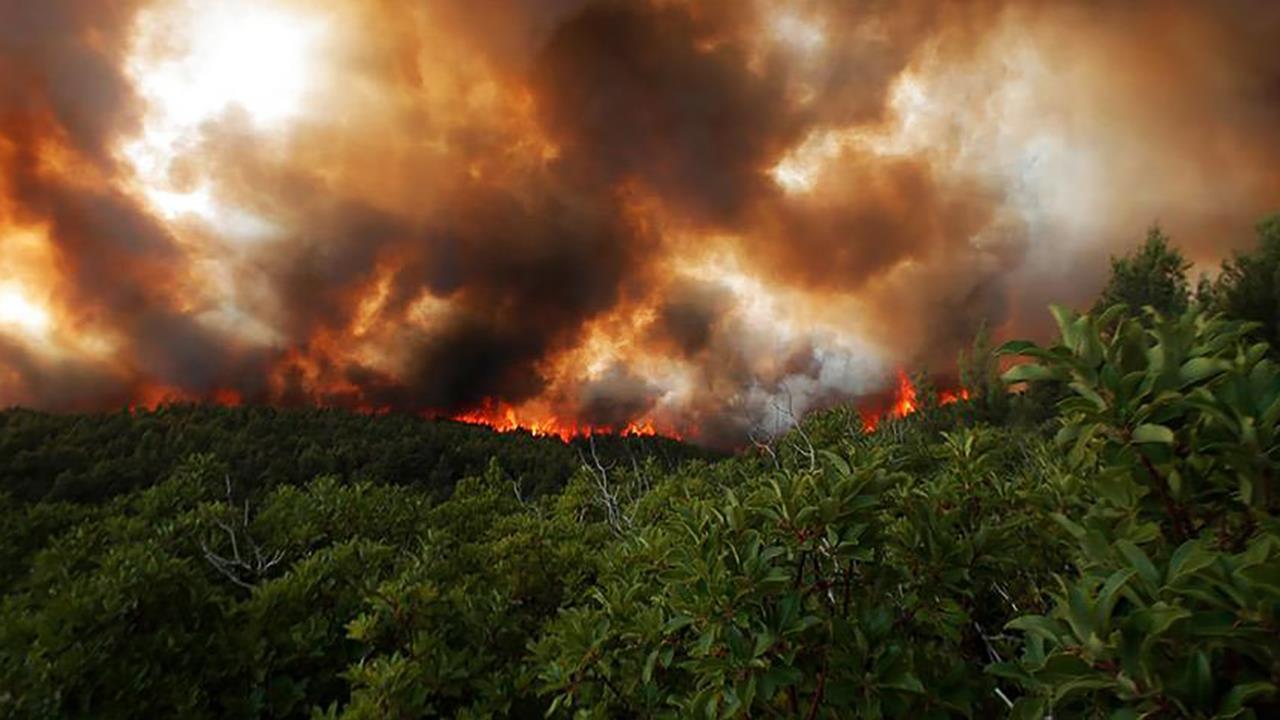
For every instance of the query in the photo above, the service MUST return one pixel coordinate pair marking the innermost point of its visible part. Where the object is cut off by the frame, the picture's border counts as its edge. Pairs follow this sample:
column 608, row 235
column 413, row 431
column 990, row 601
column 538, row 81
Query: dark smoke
column 61, row 85
column 627, row 90
column 615, row 398
column 576, row 204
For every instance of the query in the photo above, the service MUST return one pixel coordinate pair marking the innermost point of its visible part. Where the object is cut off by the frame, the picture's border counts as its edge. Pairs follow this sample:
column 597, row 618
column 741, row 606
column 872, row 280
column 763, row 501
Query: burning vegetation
column 586, row 215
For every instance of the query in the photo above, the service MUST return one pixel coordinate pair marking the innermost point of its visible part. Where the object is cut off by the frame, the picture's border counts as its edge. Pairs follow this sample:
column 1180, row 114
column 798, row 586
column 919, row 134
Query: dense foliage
column 1153, row 276
column 1248, row 287
column 92, row 457
column 1100, row 542
column 1173, row 606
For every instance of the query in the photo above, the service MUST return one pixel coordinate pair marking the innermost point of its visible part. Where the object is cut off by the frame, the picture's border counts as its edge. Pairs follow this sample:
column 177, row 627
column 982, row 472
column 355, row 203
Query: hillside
column 88, row 458
column 1092, row 533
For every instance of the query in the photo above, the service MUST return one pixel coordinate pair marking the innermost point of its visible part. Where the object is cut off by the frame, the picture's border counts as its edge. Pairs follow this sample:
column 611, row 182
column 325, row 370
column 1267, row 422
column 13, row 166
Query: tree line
column 1093, row 533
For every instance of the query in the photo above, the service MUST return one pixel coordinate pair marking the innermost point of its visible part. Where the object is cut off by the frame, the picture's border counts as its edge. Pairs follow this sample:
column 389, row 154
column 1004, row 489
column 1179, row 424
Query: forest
column 1092, row 533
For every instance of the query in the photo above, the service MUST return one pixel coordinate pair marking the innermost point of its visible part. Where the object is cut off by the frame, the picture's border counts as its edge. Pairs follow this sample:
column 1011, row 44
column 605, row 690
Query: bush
column 1174, row 602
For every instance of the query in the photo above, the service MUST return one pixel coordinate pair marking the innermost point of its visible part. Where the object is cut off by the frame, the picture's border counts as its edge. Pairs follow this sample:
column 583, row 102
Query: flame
column 505, row 418
column 640, row 428
column 326, row 174
column 227, row 397
column 153, row 396
column 906, row 400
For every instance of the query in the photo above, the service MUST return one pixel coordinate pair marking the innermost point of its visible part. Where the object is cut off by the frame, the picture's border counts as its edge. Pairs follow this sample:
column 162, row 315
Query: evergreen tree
column 980, row 377
column 1155, row 275
column 1249, row 286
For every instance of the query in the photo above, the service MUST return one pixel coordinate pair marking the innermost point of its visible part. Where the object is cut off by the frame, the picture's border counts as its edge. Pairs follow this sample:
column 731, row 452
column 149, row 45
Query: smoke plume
column 700, row 217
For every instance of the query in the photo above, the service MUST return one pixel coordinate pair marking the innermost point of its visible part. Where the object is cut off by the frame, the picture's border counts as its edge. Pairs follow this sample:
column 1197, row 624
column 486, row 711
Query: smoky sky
column 706, row 216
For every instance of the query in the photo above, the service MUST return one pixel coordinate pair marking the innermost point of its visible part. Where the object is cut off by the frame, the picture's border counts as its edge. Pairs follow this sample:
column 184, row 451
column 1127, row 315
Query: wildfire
column 946, row 397
column 499, row 416
column 540, row 421
column 906, row 400
column 153, row 396
column 505, row 418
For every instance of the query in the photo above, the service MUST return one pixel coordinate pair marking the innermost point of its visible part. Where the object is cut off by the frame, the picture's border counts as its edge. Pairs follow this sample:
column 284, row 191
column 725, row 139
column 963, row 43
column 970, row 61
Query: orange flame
column 906, row 400
column 152, row 396
column 505, row 418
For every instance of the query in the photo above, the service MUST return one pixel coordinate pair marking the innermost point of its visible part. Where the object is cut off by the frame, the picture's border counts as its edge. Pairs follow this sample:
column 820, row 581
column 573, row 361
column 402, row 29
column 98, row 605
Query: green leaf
column 676, row 623
column 1029, row 708
column 1066, row 435
column 1015, row 347
column 1039, row 625
column 1065, row 318
column 878, row 622
column 1116, row 486
column 778, row 677
column 1155, row 620
column 1198, row 369
column 1188, row 559
column 1068, row 688
column 1011, row 670
column 1089, row 394
column 1150, row 433
column 649, row 662
column 1030, row 372
column 764, row 640
column 1109, row 594
column 1074, row 529
column 1080, row 614
column 906, row 682
column 1199, row 677
column 1139, row 561
column 1238, row 698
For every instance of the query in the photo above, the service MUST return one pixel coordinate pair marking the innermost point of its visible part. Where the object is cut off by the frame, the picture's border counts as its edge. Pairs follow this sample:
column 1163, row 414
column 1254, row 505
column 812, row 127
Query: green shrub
column 1172, row 606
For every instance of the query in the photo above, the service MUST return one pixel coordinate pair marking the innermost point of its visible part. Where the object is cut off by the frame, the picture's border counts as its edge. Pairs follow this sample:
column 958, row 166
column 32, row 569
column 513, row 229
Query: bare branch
column 236, row 568
column 765, row 447
column 807, row 450
column 606, row 493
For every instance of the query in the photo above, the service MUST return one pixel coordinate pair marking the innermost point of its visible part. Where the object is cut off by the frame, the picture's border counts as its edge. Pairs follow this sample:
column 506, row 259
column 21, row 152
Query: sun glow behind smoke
column 559, row 212
column 19, row 312
column 248, row 54
column 258, row 65
column 24, row 313
column 199, row 61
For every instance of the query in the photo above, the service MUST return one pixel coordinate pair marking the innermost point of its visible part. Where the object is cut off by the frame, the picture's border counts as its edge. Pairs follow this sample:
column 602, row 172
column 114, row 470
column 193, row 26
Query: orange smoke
column 580, row 216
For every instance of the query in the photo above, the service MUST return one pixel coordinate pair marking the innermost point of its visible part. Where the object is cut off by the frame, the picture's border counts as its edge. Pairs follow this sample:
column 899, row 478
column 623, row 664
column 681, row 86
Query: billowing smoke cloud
column 115, row 268
column 705, row 217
